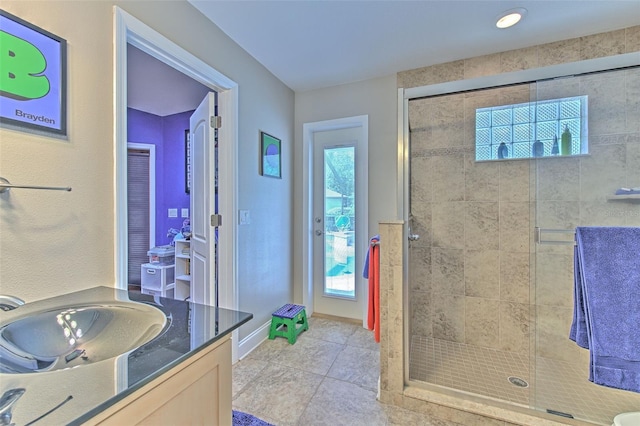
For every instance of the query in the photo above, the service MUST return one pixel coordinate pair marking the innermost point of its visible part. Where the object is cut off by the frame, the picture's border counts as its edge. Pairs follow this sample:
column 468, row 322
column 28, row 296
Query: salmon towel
column 373, row 319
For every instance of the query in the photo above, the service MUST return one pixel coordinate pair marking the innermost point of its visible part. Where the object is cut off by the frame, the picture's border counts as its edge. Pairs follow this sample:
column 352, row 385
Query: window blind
column 138, row 212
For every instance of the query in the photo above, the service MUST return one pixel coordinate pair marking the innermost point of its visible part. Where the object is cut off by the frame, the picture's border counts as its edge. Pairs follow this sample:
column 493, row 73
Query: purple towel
column 606, row 305
column 628, row 191
column 579, row 328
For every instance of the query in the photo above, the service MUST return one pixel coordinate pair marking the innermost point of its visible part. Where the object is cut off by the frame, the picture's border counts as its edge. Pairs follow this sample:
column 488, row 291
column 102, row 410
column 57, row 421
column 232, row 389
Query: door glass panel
column 339, row 235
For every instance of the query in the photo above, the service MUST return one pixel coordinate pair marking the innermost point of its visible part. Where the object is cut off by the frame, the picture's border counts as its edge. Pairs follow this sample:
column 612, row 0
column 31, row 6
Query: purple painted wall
column 172, row 173
column 167, row 134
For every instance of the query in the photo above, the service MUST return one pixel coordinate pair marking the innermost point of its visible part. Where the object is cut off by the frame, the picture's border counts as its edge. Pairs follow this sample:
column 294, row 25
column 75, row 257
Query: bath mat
column 244, row 419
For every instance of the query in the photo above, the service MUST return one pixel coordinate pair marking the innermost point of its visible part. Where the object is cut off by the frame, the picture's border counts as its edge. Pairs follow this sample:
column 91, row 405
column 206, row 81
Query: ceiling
column 311, row 44
column 157, row 88
column 315, row 44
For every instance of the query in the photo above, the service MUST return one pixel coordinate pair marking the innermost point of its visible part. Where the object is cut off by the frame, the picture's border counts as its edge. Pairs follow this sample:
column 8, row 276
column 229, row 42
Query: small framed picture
column 270, row 156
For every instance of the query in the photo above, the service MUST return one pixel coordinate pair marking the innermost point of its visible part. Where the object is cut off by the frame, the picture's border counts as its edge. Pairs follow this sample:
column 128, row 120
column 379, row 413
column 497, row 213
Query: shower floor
column 562, row 386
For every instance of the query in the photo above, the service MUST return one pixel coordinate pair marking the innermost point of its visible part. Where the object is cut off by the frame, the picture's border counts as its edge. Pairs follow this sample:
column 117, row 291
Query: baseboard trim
column 336, row 318
column 253, row 340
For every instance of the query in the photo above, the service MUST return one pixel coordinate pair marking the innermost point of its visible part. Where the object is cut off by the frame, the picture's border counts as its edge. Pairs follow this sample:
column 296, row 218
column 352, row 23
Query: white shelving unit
column 183, row 269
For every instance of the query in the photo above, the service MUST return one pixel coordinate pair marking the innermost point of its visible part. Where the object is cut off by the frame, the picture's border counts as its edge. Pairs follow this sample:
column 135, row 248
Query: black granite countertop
column 74, row 395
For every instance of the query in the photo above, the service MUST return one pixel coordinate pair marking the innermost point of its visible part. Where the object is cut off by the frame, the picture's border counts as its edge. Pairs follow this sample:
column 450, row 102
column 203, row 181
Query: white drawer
column 156, row 277
column 166, row 293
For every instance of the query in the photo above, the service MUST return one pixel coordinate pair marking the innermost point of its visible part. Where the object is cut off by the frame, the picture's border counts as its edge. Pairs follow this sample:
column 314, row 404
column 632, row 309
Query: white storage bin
column 162, row 255
column 156, row 276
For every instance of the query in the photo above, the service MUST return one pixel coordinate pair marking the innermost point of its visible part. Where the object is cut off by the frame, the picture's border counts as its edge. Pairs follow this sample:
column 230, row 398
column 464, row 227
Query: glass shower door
column 571, row 191
column 468, row 273
column 490, row 281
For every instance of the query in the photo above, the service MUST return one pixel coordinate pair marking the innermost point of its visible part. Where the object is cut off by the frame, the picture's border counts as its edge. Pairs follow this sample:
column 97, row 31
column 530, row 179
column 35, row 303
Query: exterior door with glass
column 336, row 273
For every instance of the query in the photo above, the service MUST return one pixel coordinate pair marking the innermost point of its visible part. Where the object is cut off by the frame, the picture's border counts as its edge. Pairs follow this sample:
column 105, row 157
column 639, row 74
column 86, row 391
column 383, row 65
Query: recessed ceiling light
column 510, row 17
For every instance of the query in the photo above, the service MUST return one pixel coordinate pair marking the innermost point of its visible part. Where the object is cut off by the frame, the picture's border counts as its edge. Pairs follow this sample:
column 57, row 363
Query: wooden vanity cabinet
column 196, row 392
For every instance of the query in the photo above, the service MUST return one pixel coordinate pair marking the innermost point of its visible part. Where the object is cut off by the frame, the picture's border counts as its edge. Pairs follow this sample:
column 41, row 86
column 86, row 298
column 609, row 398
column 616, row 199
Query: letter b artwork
column 33, row 77
column 21, row 66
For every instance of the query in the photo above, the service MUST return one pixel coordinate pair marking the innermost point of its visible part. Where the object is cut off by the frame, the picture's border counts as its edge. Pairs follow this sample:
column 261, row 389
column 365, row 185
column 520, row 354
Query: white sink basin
column 75, row 335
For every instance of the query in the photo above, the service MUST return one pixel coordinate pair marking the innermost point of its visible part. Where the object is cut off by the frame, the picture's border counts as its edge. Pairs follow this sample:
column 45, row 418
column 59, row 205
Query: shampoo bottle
column 565, row 141
column 554, row 149
column 503, row 150
column 537, row 150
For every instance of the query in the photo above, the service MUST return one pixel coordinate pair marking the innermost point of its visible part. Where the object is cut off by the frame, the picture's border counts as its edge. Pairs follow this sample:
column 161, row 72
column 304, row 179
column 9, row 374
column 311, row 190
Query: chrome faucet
column 8, row 303
column 6, row 404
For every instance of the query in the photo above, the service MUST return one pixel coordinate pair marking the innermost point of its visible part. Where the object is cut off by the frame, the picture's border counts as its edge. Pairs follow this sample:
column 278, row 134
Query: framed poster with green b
column 33, row 78
column 270, row 156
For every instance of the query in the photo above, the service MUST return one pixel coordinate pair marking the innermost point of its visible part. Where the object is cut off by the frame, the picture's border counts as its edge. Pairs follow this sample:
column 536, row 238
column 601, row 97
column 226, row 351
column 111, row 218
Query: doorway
column 129, row 30
column 160, row 104
column 336, row 200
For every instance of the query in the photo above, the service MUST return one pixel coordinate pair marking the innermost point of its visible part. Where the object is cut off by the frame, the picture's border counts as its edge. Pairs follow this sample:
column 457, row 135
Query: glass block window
column 510, row 131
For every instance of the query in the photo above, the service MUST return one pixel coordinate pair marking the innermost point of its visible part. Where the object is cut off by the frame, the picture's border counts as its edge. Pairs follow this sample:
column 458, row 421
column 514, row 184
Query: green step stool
column 288, row 321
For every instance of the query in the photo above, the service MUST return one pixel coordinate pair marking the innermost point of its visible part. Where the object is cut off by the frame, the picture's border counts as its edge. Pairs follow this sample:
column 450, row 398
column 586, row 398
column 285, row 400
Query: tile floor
column 328, row 377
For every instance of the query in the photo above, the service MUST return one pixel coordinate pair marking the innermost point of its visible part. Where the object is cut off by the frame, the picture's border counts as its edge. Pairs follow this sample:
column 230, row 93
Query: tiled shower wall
column 471, row 269
column 469, row 272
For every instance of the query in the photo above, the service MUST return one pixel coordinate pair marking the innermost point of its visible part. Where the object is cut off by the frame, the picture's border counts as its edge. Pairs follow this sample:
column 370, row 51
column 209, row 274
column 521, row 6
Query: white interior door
column 338, row 286
column 203, row 244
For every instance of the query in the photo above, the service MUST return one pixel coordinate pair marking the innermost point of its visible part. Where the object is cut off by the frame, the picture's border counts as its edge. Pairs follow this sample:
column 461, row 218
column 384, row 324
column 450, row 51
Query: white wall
column 376, row 98
column 56, row 242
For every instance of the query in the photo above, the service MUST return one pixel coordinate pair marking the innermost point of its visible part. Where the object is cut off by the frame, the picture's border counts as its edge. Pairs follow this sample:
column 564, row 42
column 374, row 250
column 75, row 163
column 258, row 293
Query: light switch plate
column 184, row 213
column 173, row 212
column 244, row 218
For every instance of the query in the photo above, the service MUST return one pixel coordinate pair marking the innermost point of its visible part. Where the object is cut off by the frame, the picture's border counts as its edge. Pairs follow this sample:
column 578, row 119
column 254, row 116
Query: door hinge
column 216, row 121
column 216, row 220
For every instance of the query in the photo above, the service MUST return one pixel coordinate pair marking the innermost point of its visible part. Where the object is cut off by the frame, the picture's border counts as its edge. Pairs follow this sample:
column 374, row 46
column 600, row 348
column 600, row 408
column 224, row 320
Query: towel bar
column 5, row 185
column 540, row 240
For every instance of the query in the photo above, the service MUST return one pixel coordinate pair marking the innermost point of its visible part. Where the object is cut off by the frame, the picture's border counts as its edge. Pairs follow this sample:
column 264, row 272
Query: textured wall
column 561, row 52
column 469, row 272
